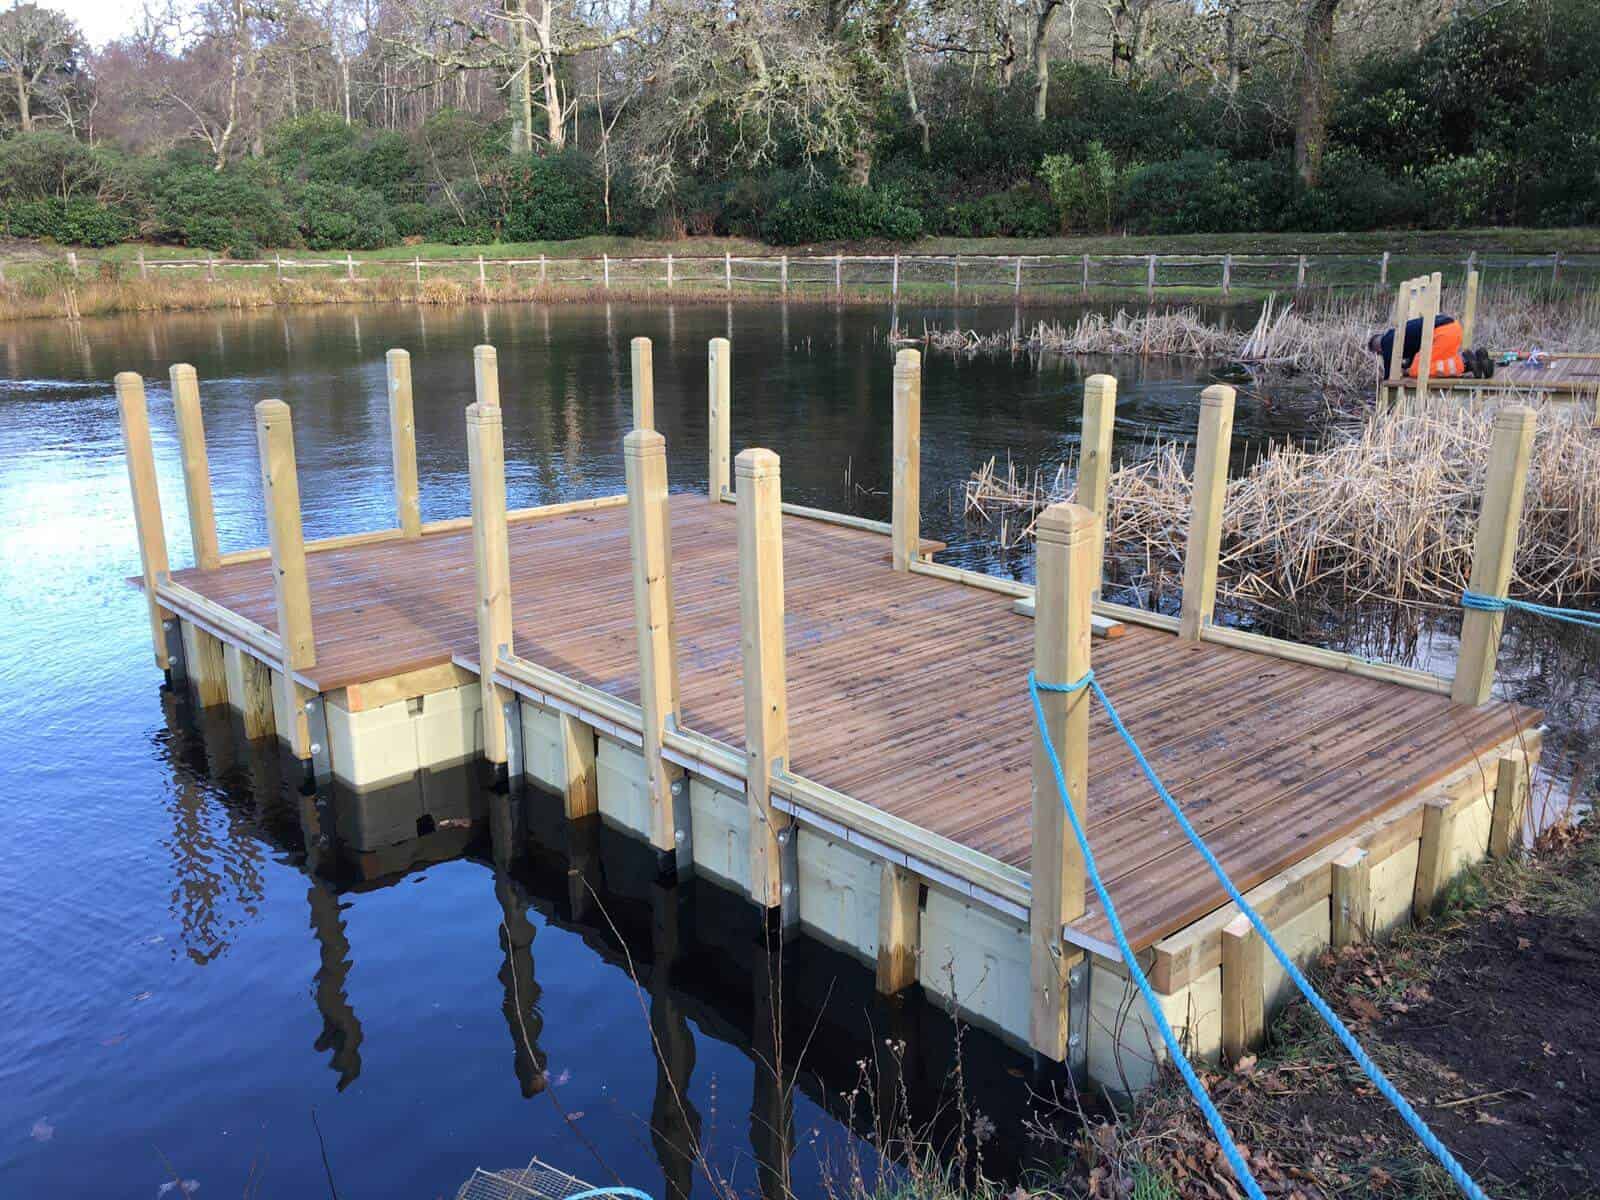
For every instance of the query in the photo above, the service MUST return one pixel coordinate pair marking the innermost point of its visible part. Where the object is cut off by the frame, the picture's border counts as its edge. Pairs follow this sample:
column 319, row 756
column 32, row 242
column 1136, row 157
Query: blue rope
column 1482, row 603
column 592, row 1193
column 1219, row 1128
column 1426, row 1136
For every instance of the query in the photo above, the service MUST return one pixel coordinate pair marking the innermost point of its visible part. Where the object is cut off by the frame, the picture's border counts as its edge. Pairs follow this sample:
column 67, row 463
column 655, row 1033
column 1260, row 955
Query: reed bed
column 1386, row 513
column 1325, row 343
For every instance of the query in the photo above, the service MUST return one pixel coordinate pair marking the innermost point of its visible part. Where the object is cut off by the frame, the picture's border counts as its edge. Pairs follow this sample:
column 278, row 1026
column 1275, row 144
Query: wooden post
column 1150, row 279
column 483, row 280
column 955, row 282
column 894, row 278
column 543, row 264
column 491, row 559
column 838, row 276
column 1300, row 274
column 899, row 928
column 1205, row 514
column 644, row 385
column 154, row 566
column 1469, row 311
column 196, row 467
column 719, row 371
column 1510, row 804
column 1227, row 274
column 255, row 702
column 350, row 265
column 278, row 259
column 1555, row 269
column 1094, row 456
column 72, row 261
column 766, row 703
column 906, row 502
column 211, row 267
column 1352, row 898
column 144, row 270
column 1494, row 551
column 605, row 268
column 1017, row 287
column 1085, row 287
column 784, row 276
column 1244, row 1018
column 1430, row 310
column 669, row 272
column 1066, row 537
column 580, row 793
column 1396, row 372
column 1433, row 856
column 280, row 486
column 403, row 444
column 1383, row 271
column 644, row 454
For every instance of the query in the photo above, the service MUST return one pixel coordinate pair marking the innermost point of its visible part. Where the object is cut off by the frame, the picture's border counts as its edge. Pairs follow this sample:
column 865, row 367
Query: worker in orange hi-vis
column 1449, row 359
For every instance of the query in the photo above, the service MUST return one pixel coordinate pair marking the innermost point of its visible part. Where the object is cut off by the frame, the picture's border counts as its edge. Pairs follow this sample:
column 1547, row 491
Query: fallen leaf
column 1364, row 1008
column 1524, row 944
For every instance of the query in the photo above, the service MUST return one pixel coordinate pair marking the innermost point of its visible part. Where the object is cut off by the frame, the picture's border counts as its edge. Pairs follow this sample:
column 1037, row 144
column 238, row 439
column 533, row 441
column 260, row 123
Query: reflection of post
column 772, row 1099
column 522, row 992
column 341, row 1028
column 674, row 1121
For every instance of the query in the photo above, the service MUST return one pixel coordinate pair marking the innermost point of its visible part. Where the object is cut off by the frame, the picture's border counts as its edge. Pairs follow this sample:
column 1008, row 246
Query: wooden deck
column 907, row 692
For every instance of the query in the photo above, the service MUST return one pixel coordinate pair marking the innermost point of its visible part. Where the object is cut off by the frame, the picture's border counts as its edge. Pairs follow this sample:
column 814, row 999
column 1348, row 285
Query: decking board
column 907, row 692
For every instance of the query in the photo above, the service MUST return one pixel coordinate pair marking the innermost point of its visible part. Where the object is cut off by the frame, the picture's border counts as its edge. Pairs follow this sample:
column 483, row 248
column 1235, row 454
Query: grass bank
column 48, row 281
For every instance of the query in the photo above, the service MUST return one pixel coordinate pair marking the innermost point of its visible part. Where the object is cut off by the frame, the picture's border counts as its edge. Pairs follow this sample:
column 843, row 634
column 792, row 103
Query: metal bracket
column 789, row 876
column 682, row 824
column 177, row 664
column 321, row 752
column 512, row 710
column 1078, row 977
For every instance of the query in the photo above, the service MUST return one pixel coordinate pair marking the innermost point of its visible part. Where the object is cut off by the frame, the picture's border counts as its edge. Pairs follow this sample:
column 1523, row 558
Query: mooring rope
column 592, row 1193
column 1219, row 1129
column 1482, row 603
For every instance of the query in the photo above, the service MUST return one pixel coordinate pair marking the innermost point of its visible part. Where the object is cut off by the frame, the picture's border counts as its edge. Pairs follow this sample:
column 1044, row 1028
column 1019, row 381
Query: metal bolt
column 679, row 836
column 166, row 624
column 507, row 710
column 1074, row 1039
column 1075, row 976
column 783, row 837
column 316, row 747
column 311, row 706
column 788, row 889
column 677, row 787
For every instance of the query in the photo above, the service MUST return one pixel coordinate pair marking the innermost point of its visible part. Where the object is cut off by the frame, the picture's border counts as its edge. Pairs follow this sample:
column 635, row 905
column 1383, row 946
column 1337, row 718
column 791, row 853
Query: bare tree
column 39, row 54
column 1044, row 16
column 1316, row 66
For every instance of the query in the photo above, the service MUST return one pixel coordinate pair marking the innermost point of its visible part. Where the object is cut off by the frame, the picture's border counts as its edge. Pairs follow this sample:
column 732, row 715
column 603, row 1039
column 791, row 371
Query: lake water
column 212, row 978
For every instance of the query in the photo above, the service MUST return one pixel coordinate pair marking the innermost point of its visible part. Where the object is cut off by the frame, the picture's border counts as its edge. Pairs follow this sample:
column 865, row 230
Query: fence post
column 1094, row 456
column 1391, row 379
column 72, row 261
column 277, row 258
column 669, row 272
column 605, row 268
column 727, row 272
column 196, row 466
column 1555, row 268
column 644, row 383
column 1243, row 997
column 644, row 453
column 766, row 706
column 1067, row 575
column 785, row 274
column 1016, row 288
column 144, row 270
column 906, row 502
column 1510, row 804
column 955, row 282
column 1469, row 310
column 1150, row 279
column 1300, row 274
column 1227, row 274
column 1205, row 513
column 894, row 279
column 152, row 536
column 280, row 485
column 1085, row 287
column 542, row 267
column 1494, row 551
column 483, row 280
column 350, row 265
column 211, row 267
column 403, row 443
column 416, row 267
column 491, row 562
column 719, row 372
column 1430, row 309
column 838, row 275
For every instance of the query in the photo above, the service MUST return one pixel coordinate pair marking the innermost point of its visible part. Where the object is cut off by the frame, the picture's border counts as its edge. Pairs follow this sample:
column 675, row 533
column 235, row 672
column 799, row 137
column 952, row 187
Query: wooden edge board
column 1181, row 957
column 361, row 697
column 221, row 622
column 1332, row 660
column 929, row 546
column 1101, row 624
column 350, row 541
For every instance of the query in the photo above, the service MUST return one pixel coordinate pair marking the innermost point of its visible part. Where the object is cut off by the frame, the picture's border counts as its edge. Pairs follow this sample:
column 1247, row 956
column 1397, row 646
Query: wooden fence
column 920, row 276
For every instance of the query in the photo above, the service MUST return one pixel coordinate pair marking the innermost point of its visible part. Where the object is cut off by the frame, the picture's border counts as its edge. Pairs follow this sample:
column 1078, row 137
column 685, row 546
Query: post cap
column 484, row 351
column 908, row 360
column 718, row 343
column 270, row 409
column 1218, row 395
column 1515, row 417
column 181, row 371
column 641, row 343
column 398, row 353
column 756, row 463
column 644, row 443
column 1101, row 387
column 1066, row 524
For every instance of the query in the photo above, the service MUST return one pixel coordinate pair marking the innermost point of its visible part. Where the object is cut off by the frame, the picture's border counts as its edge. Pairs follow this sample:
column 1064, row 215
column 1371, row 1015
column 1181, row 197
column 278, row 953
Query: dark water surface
column 198, row 958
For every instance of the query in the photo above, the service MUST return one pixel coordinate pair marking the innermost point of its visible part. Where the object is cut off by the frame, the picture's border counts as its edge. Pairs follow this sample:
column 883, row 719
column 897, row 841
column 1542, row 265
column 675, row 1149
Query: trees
column 1316, row 68
column 40, row 55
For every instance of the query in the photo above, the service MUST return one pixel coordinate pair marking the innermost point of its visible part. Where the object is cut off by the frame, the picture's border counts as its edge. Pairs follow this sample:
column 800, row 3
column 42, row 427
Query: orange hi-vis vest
column 1447, row 360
